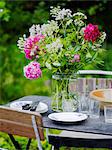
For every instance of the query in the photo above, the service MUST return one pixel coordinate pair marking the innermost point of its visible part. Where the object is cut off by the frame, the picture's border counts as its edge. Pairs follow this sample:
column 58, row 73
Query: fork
column 34, row 106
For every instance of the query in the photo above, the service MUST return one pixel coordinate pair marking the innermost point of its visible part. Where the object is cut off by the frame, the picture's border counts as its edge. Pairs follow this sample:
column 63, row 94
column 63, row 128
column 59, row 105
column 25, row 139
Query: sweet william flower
column 91, row 32
column 76, row 58
column 32, row 70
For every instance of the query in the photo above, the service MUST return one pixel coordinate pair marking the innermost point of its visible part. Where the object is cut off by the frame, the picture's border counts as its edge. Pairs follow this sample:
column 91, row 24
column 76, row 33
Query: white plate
column 67, row 117
column 41, row 108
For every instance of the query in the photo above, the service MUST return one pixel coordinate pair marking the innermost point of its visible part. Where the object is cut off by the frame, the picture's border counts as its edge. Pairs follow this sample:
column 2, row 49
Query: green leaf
column 94, row 56
column 90, row 44
column 88, row 55
column 48, row 65
column 57, row 64
column 77, row 48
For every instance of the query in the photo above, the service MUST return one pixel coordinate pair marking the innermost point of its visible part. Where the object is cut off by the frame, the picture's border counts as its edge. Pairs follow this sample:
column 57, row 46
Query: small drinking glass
column 108, row 114
column 84, row 103
column 94, row 109
column 67, row 105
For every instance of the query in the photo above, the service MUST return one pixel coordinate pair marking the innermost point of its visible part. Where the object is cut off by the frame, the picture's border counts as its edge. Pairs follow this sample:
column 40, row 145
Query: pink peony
column 32, row 70
column 91, row 32
column 30, row 46
column 27, row 54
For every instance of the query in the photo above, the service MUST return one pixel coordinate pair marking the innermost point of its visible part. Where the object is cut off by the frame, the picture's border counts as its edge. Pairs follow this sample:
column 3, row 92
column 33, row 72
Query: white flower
column 50, row 28
column 64, row 13
column 79, row 14
column 24, row 36
column 54, row 11
column 35, row 29
column 20, row 43
column 69, row 22
column 54, row 47
column 38, row 29
column 59, row 14
column 103, row 36
column 78, row 22
column 45, row 28
column 32, row 30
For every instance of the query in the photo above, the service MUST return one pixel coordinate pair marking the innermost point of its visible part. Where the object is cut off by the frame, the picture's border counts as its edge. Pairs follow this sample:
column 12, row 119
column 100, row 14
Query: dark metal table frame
column 95, row 126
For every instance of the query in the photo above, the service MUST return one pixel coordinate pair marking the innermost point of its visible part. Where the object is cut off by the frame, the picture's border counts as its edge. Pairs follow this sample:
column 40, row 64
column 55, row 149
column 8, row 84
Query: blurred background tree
column 17, row 17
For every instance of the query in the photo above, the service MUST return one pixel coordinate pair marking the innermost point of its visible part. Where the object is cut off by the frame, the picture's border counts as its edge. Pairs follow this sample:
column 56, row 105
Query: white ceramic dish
column 41, row 108
column 67, row 117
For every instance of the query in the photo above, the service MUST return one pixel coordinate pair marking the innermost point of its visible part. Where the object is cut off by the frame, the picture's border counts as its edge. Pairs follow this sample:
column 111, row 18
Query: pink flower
column 77, row 58
column 32, row 70
column 91, row 32
column 27, row 54
column 31, row 46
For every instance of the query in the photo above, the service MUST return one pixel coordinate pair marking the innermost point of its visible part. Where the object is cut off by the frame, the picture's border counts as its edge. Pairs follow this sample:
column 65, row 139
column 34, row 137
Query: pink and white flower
column 32, row 70
column 31, row 46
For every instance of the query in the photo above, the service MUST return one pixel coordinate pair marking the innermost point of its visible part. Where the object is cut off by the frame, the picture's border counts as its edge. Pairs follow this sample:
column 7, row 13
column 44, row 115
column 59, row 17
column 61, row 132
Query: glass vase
column 64, row 93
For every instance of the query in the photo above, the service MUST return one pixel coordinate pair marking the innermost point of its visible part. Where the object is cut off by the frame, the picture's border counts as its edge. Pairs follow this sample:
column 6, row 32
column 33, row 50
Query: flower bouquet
column 63, row 45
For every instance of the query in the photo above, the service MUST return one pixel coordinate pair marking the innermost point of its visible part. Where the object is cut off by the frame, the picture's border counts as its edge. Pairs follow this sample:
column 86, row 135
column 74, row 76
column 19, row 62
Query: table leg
column 55, row 148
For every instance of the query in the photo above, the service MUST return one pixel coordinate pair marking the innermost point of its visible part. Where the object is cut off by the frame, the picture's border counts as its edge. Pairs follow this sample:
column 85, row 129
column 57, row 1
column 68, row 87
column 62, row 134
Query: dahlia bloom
column 30, row 46
column 91, row 32
column 32, row 70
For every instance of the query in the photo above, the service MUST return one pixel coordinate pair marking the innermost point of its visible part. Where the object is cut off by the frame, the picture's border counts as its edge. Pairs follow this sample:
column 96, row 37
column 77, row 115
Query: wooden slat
column 73, row 85
column 101, row 83
column 109, row 83
column 19, row 122
column 19, row 115
column 81, row 85
column 91, row 84
column 16, row 129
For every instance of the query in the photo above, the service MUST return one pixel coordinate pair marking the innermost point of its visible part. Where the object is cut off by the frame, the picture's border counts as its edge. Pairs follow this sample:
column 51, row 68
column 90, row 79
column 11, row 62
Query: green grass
column 6, row 143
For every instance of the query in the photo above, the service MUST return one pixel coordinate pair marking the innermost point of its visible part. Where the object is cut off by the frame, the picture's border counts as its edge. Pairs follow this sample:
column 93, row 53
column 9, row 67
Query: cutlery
column 34, row 106
column 31, row 107
column 26, row 106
